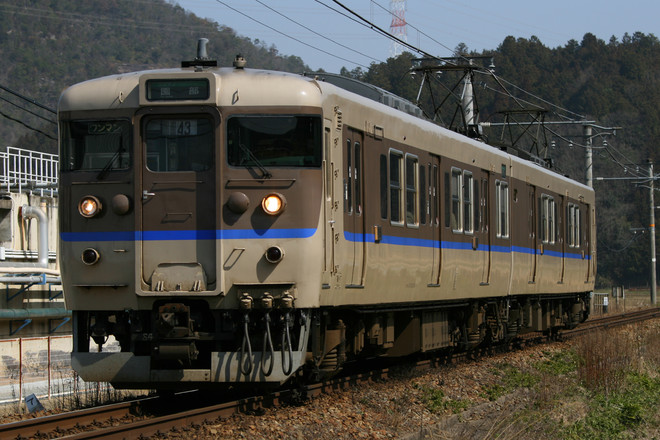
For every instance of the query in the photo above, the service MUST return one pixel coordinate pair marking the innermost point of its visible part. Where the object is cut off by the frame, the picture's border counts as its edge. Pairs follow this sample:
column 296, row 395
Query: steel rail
column 59, row 422
column 198, row 416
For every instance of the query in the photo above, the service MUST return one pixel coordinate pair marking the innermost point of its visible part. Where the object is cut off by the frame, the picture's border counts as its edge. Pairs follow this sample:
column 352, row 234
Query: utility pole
column 652, row 234
column 651, row 187
column 588, row 140
column 589, row 158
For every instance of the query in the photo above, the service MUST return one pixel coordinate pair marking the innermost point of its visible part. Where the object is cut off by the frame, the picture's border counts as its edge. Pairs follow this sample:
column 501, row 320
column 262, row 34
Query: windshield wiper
column 265, row 174
column 108, row 166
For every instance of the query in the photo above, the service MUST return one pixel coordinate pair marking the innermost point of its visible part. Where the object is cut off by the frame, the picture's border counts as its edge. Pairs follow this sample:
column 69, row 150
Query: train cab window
column 96, row 145
column 274, row 140
column 573, row 225
column 411, row 191
column 181, row 144
column 502, row 209
column 468, row 202
column 456, row 200
column 548, row 219
column 396, row 193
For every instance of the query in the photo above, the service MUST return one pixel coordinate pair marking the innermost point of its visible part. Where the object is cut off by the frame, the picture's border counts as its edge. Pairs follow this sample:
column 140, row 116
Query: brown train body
column 395, row 235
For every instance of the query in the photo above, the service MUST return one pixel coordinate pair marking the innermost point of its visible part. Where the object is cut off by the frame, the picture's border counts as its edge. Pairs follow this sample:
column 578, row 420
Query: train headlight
column 273, row 204
column 90, row 256
column 89, row 206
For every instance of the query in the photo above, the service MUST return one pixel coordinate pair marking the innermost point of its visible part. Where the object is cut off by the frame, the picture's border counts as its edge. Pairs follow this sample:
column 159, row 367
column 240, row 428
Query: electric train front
column 189, row 229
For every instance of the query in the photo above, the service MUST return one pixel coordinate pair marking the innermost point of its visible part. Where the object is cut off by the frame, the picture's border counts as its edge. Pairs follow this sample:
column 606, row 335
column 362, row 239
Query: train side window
column 435, row 193
column 396, row 193
column 456, row 200
column 423, row 204
column 468, row 202
column 348, row 180
column 548, row 219
column 411, row 190
column 578, row 227
column 502, row 209
column 383, row 186
column 573, row 225
column 570, row 213
column 447, row 203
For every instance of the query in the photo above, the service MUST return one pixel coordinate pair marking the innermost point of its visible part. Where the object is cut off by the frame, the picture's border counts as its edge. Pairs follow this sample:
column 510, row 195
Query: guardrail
column 30, row 171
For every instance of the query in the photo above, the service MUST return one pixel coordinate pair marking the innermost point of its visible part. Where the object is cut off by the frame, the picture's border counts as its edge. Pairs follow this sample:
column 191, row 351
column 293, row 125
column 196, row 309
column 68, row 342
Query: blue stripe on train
column 228, row 234
column 250, row 234
column 454, row 245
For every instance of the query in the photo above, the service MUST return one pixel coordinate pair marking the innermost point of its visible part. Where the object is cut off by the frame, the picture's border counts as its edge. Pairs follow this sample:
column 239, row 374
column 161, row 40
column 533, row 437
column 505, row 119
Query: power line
column 384, row 32
column 30, row 100
column 414, row 27
column 26, row 125
column 28, row 111
column 289, row 36
column 316, row 33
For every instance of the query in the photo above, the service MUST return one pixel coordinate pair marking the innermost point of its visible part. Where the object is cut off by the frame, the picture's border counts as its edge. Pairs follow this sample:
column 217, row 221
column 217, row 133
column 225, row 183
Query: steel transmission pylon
column 398, row 26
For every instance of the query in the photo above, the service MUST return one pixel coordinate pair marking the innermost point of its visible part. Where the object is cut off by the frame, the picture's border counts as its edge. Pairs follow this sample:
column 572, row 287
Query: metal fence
column 40, row 366
column 600, row 303
column 26, row 170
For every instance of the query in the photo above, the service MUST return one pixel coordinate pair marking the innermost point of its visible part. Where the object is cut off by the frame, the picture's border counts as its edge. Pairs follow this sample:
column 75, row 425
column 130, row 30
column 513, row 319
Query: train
column 236, row 227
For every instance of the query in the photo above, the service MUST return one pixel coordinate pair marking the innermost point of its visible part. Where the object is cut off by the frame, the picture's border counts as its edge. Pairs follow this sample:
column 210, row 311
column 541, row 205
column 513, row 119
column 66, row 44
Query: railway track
column 155, row 416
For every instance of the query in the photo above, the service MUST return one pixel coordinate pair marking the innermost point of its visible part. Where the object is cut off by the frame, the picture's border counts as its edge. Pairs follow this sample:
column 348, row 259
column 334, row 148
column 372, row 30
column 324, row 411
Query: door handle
column 146, row 194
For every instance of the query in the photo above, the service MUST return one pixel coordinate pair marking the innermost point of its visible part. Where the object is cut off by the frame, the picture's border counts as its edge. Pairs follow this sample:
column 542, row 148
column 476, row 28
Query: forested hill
column 48, row 45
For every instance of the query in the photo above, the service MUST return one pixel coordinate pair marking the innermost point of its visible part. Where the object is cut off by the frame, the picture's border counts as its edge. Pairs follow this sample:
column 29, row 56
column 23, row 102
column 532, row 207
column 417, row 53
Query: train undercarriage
column 179, row 344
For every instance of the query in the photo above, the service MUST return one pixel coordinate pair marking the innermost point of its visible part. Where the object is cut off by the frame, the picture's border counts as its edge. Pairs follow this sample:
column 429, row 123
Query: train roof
column 250, row 87
column 229, row 86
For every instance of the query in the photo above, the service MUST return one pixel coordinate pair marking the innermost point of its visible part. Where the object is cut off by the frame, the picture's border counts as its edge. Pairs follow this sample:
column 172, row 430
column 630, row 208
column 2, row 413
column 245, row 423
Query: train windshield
column 274, row 140
column 96, row 145
column 179, row 144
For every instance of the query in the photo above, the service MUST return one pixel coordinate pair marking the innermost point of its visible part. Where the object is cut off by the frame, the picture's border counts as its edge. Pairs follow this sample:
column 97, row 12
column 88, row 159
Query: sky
column 317, row 32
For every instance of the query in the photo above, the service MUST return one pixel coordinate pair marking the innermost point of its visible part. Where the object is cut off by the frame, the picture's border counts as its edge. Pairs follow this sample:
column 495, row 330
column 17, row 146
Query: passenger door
column 178, row 201
column 354, row 227
column 434, row 221
column 482, row 230
column 532, row 225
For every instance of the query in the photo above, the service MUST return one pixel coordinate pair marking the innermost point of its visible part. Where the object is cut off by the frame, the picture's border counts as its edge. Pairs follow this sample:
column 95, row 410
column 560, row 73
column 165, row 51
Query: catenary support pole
column 652, row 234
column 589, row 156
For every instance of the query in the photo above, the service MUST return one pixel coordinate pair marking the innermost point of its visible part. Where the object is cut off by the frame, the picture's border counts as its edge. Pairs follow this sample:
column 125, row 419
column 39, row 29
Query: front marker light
column 273, row 204
column 89, row 206
column 90, row 256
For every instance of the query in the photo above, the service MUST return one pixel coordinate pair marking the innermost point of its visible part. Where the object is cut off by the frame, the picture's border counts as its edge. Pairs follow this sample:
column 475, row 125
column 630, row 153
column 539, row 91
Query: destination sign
column 177, row 89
